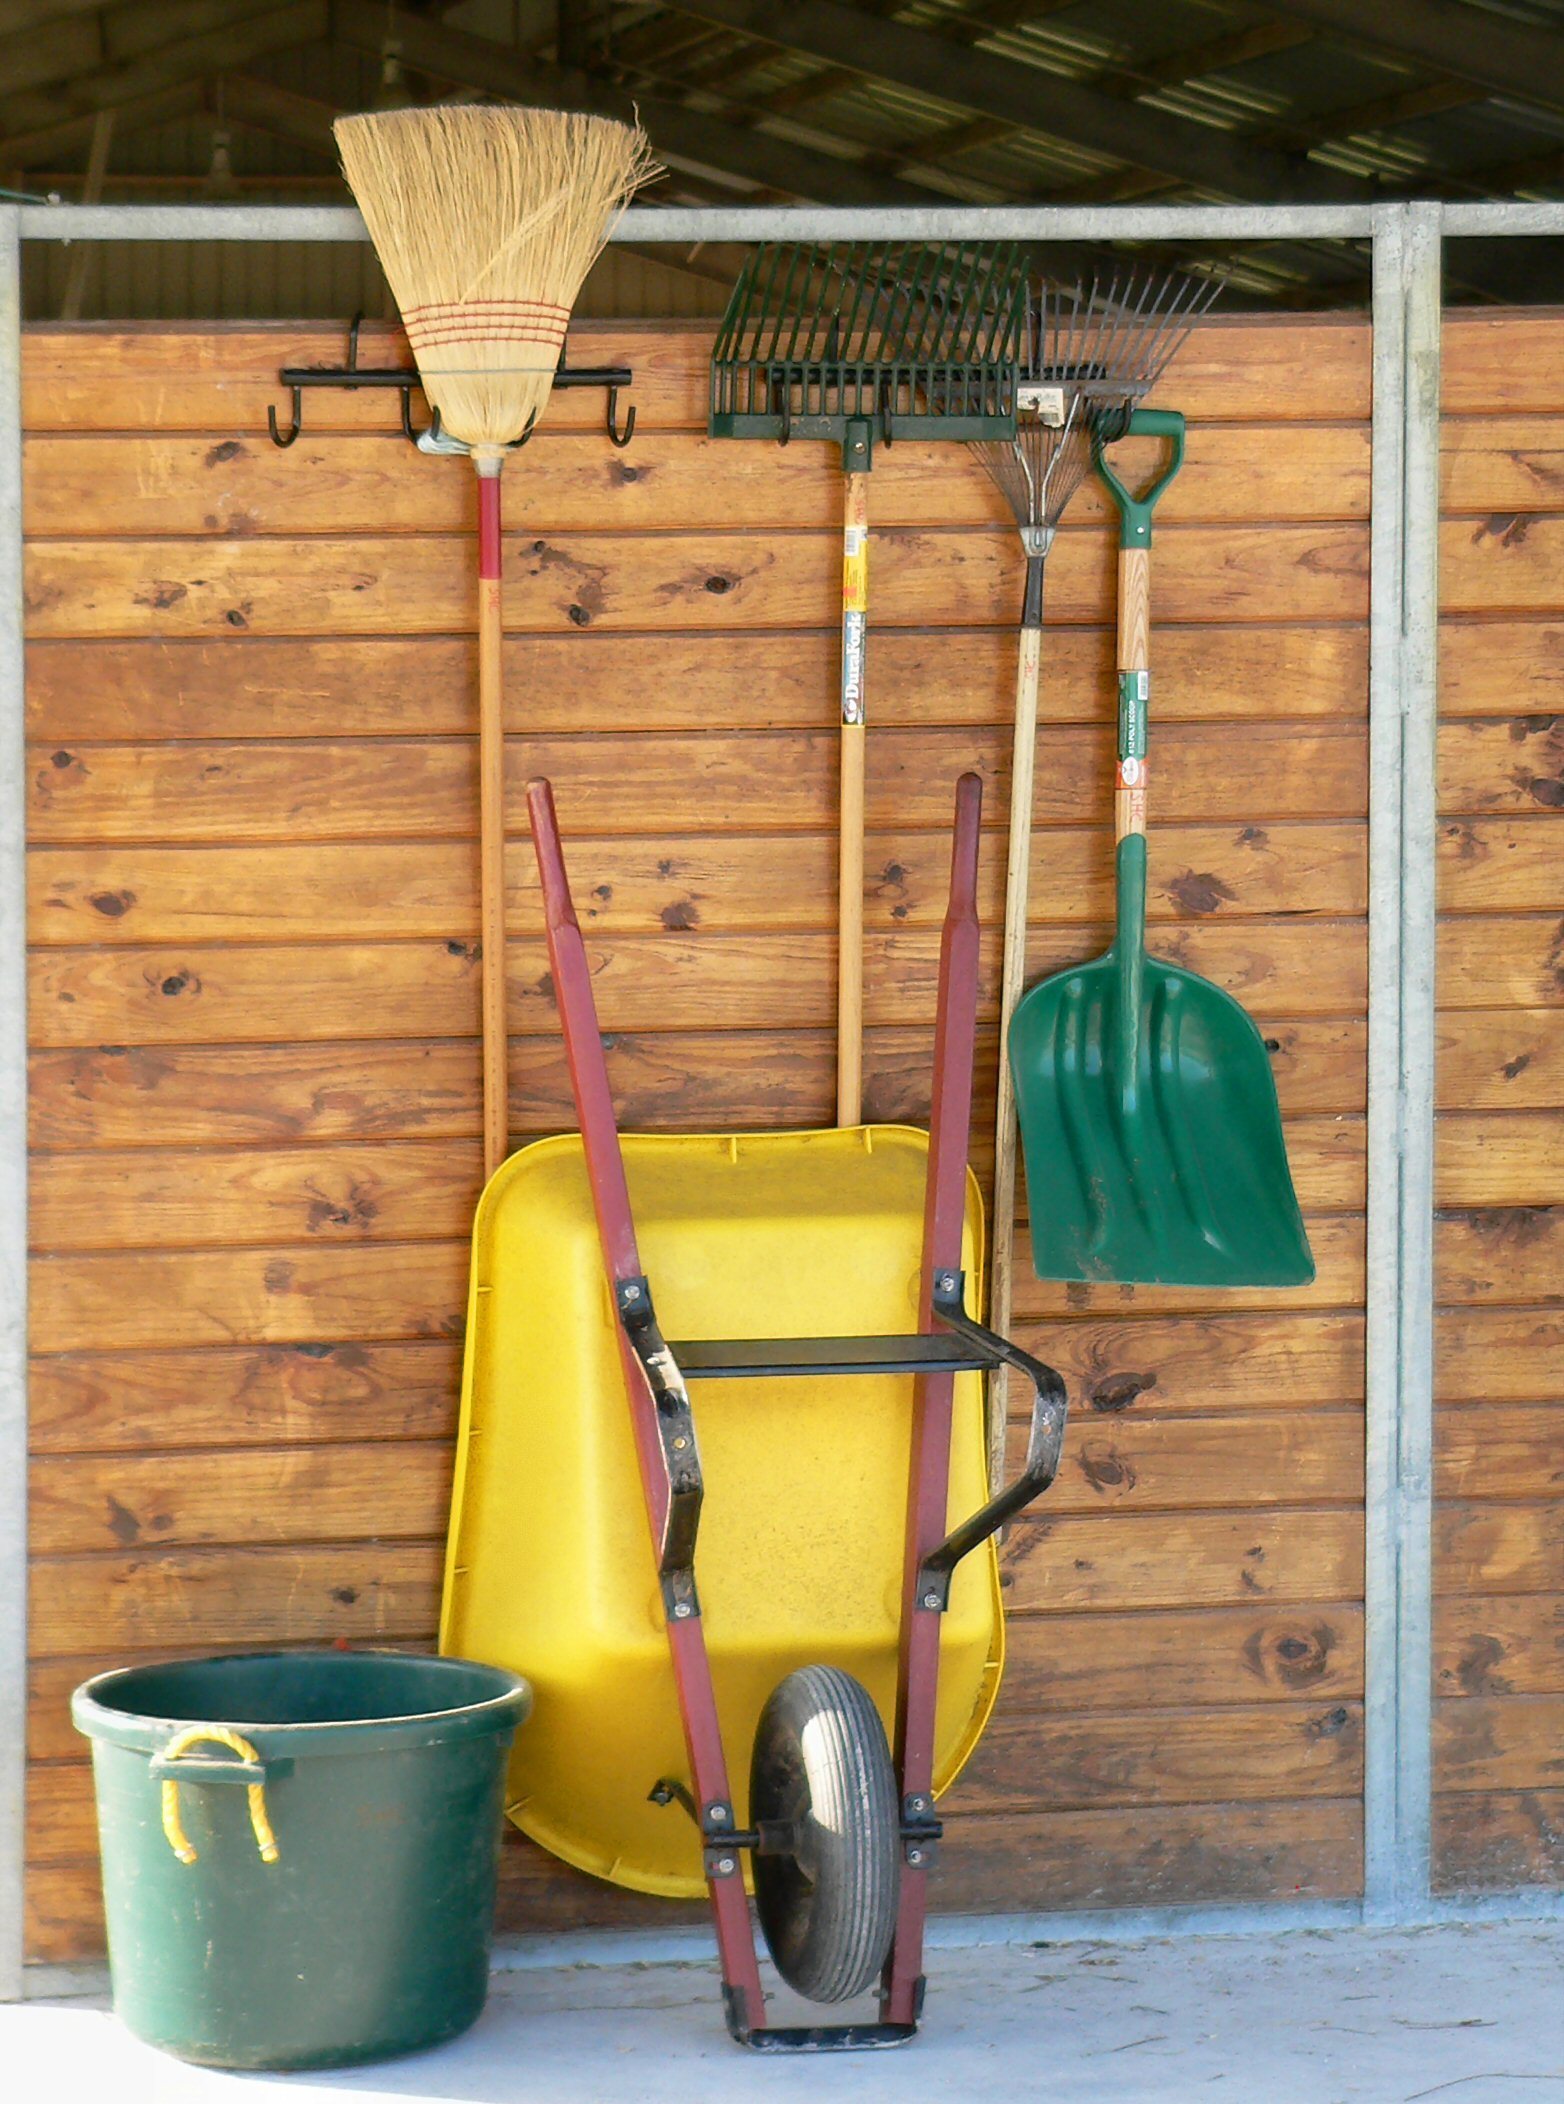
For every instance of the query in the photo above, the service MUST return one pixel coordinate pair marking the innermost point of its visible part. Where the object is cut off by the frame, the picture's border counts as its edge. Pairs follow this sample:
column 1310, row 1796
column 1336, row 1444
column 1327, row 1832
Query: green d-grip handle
column 1135, row 512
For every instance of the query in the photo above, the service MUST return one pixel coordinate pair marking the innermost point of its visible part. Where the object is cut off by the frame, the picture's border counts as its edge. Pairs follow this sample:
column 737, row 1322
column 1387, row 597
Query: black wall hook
column 616, row 437
column 295, row 378
column 286, row 438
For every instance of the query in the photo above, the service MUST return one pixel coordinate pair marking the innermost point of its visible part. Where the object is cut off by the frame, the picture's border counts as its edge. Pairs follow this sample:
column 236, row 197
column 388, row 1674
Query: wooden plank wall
column 1499, row 1574
column 255, row 1004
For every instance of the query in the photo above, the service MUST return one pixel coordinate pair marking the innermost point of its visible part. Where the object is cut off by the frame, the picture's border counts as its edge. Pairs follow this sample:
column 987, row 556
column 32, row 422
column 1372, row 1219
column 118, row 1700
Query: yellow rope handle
column 173, row 1828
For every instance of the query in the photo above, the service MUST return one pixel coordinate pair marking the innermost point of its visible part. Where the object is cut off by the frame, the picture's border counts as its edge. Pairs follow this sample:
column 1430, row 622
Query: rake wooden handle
column 849, row 879
column 849, row 961
column 1023, row 758
column 491, row 822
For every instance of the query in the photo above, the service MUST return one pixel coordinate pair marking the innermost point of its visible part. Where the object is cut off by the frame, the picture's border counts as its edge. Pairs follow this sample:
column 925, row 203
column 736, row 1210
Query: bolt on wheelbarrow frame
column 948, row 1341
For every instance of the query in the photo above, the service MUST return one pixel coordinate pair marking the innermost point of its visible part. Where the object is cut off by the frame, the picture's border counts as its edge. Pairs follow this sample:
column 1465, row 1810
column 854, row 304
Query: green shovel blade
column 1149, row 1123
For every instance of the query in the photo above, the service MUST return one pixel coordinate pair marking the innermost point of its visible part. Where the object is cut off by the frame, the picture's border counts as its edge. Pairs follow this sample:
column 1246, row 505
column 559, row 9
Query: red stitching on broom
column 440, row 338
column 485, row 307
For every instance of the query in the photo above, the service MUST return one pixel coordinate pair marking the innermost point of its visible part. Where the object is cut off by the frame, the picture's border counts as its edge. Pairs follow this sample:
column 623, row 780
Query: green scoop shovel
column 1148, row 1114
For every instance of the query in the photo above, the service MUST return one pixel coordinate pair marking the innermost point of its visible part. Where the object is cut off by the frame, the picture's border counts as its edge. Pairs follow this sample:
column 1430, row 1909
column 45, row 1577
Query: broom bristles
column 486, row 220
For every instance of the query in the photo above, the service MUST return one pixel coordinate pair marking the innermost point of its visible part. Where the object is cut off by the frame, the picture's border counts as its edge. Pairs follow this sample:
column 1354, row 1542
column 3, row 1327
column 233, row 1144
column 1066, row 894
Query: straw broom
column 486, row 220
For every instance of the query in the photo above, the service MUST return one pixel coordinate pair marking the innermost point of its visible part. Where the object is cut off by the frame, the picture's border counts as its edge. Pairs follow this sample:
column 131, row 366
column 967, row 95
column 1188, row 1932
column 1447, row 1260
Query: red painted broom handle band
column 583, row 1043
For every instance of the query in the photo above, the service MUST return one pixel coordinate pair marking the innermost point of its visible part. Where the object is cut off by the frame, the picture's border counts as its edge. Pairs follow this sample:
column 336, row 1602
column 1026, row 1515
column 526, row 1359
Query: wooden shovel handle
column 491, row 824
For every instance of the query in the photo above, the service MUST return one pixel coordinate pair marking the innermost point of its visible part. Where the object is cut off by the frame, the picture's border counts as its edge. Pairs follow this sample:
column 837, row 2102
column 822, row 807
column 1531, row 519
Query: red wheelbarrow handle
column 665, row 1436
column 572, row 976
column 659, row 1404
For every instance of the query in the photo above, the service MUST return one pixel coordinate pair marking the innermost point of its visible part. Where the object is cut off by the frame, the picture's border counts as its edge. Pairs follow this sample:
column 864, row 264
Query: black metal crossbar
column 761, row 1358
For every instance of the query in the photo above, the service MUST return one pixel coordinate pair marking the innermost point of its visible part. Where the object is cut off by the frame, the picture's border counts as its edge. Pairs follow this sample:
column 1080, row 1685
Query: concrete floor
column 1468, row 2015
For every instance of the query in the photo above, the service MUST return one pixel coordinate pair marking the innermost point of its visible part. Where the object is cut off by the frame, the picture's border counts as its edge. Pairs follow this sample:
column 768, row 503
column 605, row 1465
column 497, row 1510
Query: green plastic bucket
column 381, row 1779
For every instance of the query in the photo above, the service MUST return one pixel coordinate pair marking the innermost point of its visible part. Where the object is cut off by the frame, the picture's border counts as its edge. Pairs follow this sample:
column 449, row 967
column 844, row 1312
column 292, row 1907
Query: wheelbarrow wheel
column 823, row 1793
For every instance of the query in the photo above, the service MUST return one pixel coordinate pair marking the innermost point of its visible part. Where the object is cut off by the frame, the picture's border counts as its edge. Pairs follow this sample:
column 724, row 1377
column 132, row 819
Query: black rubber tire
column 821, row 1759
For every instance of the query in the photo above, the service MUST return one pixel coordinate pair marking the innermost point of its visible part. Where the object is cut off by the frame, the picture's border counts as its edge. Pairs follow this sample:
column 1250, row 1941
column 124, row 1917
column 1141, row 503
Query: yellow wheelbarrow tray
column 802, row 1529
column 840, row 1605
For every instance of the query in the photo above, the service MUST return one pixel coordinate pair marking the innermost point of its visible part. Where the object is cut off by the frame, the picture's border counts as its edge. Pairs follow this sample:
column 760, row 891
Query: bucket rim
column 146, row 1732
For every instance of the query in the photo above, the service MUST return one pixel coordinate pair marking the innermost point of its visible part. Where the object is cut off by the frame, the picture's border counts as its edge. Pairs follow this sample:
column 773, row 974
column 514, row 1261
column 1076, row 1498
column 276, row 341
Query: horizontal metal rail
column 688, row 225
column 1502, row 216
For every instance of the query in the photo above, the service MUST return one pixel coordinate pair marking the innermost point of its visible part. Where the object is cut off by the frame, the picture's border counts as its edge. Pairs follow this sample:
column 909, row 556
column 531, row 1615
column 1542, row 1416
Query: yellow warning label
column 855, row 571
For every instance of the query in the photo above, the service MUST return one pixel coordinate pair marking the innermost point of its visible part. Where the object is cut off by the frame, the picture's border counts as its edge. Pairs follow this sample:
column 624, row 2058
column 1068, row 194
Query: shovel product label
column 1134, row 695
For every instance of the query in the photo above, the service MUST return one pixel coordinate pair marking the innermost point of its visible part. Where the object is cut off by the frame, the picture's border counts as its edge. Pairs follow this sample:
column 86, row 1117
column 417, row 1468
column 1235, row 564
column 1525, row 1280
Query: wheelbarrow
column 826, row 1626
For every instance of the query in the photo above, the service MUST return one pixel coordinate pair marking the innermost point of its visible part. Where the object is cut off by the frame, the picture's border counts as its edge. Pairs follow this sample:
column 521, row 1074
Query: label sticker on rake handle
column 855, row 570
column 854, row 626
column 855, row 617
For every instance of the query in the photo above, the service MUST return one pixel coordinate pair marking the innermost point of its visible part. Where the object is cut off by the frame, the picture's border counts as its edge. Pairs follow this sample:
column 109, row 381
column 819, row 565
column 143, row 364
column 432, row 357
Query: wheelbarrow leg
column 928, row 1488
column 670, row 1480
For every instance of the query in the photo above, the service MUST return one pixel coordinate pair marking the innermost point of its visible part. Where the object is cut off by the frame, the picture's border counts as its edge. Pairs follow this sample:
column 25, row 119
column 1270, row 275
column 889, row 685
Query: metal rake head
column 1111, row 341
column 1090, row 354
column 1039, row 470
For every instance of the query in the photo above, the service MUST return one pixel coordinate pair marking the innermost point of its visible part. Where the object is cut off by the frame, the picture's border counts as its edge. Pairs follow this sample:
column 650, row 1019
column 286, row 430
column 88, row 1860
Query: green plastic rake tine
column 1005, row 332
column 838, row 312
column 977, row 315
column 1010, row 316
column 738, row 366
column 789, row 308
column 884, row 314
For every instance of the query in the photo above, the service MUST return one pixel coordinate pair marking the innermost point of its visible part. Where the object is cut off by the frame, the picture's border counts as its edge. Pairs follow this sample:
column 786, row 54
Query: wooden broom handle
column 1023, row 759
column 491, row 821
column 849, row 955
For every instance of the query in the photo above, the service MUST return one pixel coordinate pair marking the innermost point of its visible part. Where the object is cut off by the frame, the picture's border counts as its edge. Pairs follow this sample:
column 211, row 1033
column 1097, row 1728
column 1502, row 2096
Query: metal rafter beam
column 1528, row 172
column 936, row 146
column 190, row 58
column 1384, row 113
column 264, row 106
column 663, row 37
column 967, row 28
column 1199, row 61
column 116, row 36
column 27, row 14
column 1502, row 55
column 1028, row 97
column 39, row 148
